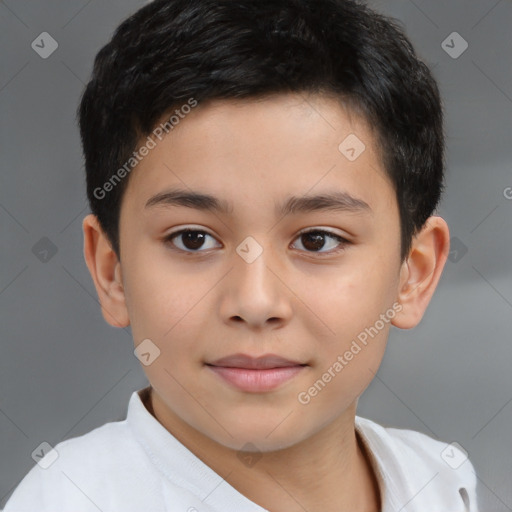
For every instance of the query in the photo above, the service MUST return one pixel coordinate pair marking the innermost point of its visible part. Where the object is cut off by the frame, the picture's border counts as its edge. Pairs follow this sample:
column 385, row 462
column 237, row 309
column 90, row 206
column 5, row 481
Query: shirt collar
column 178, row 464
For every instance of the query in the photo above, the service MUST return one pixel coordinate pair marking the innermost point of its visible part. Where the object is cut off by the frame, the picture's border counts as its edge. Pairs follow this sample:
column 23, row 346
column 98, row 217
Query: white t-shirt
column 137, row 465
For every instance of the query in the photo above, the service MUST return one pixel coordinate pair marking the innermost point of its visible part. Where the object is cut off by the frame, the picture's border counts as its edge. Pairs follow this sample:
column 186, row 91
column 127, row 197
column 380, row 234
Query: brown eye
column 189, row 240
column 317, row 239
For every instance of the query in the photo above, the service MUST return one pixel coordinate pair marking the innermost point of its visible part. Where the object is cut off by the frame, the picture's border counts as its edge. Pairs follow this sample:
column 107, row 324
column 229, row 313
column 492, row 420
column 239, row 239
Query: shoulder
column 441, row 470
column 74, row 470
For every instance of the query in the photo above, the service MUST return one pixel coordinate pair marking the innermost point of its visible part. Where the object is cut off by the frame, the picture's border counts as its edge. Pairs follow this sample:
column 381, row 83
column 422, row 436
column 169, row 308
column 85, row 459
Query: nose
column 255, row 293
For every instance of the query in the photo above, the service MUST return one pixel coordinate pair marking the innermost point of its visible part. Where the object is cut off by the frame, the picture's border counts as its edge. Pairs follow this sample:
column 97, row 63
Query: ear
column 105, row 271
column 421, row 271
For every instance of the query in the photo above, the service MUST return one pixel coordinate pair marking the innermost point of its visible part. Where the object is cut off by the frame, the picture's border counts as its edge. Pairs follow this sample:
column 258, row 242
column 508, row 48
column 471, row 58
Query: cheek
column 346, row 365
column 170, row 311
column 351, row 300
column 356, row 309
column 157, row 299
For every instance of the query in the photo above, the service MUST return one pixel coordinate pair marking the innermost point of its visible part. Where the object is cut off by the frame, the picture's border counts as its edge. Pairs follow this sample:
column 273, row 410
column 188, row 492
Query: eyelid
column 322, row 229
column 188, row 227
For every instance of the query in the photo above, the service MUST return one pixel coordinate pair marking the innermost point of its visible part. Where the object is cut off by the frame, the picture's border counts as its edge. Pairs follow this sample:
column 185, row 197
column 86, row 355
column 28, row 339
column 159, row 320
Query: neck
column 329, row 471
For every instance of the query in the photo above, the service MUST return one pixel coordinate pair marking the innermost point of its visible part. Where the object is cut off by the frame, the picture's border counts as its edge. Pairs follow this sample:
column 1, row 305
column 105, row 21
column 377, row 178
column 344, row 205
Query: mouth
column 256, row 374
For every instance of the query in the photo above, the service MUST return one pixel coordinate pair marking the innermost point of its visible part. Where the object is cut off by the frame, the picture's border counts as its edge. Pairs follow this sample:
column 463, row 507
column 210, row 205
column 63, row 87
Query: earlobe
column 105, row 270
column 420, row 273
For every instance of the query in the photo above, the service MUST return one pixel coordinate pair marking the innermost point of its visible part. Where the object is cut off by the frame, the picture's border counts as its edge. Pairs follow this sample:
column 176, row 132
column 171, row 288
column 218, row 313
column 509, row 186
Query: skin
column 295, row 301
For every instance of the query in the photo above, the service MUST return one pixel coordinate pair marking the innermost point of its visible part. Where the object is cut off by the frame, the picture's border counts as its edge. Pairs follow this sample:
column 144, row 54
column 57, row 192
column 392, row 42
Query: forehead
column 260, row 151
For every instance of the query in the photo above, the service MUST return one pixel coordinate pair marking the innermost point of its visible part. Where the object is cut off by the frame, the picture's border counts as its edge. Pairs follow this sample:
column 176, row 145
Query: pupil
column 193, row 239
column 316, row 238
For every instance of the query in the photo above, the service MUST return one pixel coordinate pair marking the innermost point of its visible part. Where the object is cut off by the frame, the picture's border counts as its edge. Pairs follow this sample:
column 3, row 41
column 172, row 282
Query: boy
column 262, row 176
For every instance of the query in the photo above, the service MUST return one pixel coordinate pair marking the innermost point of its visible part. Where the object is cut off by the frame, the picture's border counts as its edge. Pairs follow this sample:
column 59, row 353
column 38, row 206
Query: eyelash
column 168, row 240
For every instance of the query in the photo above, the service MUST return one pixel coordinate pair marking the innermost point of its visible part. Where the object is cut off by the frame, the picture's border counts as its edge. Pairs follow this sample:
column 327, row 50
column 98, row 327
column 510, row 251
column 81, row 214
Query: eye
column 191, row 240
column 314, row 239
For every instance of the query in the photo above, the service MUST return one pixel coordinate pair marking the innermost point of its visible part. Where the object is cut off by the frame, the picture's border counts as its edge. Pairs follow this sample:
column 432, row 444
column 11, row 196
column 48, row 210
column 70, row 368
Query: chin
column 261, row 436
column 258, row 442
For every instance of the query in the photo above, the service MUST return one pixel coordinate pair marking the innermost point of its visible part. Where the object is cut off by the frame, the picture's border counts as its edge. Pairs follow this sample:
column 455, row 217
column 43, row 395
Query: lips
column 255, row 363
column 255, row 374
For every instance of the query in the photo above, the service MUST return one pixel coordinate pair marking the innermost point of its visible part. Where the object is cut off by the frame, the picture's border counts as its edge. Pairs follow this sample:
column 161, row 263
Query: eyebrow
column 328, row 201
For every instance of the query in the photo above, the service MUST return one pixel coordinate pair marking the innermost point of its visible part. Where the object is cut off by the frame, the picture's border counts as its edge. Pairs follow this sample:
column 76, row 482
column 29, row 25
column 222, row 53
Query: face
column 271, row 313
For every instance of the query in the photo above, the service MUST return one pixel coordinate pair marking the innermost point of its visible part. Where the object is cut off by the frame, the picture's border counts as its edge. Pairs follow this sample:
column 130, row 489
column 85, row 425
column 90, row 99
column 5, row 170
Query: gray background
column 64, row 371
